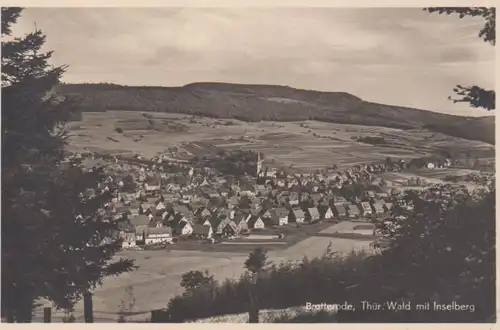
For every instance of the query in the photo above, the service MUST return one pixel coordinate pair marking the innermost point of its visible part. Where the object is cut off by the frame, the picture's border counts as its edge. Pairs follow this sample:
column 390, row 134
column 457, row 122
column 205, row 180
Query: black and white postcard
column 248, row 165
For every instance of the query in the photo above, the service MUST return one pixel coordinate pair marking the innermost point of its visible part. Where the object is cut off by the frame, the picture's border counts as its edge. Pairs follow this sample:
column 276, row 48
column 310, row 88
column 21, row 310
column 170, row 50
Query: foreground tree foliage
column 476, row 96
column 440, row 250
column 56, row 239
column 257, row 261
column 195, row 279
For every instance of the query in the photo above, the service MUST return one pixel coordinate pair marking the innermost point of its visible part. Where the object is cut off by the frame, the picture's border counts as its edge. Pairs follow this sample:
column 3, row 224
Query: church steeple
column 259, row 164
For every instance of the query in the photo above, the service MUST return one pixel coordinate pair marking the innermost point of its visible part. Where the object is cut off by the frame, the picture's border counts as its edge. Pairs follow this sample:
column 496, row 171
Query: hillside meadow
column 304, row 145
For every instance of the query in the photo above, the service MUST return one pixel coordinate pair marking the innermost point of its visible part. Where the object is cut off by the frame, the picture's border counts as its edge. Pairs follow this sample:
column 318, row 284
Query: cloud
column 398, row 56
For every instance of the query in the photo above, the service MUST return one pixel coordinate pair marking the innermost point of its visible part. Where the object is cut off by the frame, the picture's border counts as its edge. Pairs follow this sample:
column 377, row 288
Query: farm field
column 159, row 274
column 305, row 145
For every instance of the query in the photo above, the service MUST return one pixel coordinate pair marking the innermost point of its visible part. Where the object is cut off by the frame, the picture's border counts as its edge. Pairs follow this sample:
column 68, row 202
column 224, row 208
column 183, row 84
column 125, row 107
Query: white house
column 366, row 208
column 430, row 165
column 328, row 214
column 185, row 228
column 160, row 206
column 159, row 235
column 282, row 214
column 271, row 173
column 256, row 222
column 151, row 187
column 207, row 223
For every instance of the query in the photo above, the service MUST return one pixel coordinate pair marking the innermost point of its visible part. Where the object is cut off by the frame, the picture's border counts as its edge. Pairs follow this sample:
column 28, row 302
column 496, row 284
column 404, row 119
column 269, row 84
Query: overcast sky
column 400, row 56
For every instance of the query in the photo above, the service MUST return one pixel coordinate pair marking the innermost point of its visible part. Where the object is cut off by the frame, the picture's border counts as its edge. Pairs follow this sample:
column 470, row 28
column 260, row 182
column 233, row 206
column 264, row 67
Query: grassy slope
column 279, row 103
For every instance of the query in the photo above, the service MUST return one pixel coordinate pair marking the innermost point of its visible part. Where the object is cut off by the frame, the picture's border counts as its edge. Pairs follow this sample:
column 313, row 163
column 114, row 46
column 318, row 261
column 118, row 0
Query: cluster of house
column 160, row 220
column 160, row 175
column 204, row 203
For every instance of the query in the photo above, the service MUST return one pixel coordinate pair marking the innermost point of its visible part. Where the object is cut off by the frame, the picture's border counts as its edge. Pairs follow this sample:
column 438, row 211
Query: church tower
column 259, row 164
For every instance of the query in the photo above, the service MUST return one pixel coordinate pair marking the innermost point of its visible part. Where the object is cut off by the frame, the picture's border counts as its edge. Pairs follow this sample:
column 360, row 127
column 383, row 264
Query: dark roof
column 340, row 209
column 313, row 212
column 281, row 212
column 238, row 217
column 139, row 220
column 353, row 209
column 126, row 227
column 135, row 204
column 215, row 221
column 322, row 209
column 232, row 225
column 182, row 209
column 273, row 220
column 201, row 229
column 266, row 204
column 233, row 201
column 299, row 213
column 153, row 181
column 160, row 230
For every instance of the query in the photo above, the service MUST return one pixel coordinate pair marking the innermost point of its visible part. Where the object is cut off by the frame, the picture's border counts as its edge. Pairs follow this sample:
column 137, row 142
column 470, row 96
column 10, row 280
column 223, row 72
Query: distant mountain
column 277, row 103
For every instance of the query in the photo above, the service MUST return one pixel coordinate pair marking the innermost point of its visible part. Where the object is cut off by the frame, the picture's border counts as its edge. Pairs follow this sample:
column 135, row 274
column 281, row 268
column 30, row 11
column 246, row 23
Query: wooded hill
column 277, row 103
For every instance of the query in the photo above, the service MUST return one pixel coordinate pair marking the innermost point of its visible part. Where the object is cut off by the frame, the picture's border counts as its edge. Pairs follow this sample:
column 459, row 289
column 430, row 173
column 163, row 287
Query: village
column 160, row 202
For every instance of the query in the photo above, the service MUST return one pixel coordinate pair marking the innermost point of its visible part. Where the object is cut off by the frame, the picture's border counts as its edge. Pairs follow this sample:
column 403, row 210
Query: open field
column 159, row 274
column 307, row 145
column 432, row 176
